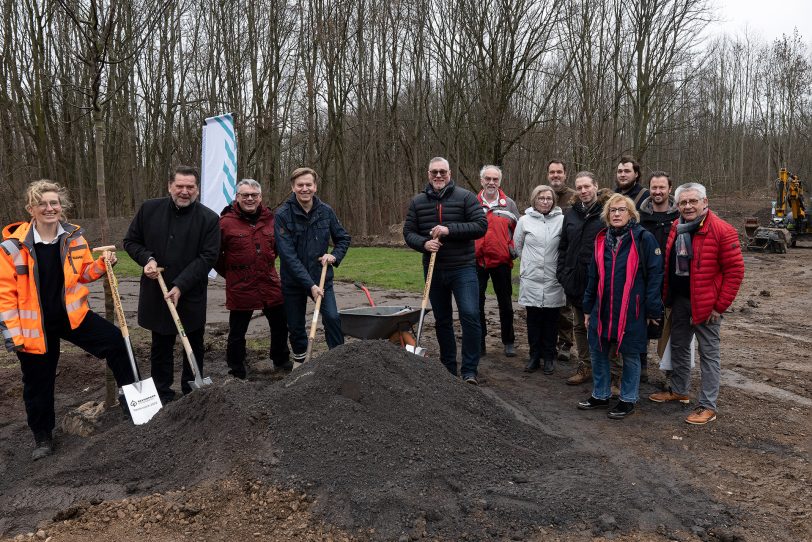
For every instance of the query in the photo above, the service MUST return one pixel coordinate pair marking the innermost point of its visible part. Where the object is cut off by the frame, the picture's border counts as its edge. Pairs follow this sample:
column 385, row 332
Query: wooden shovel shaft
column 312, row 336
column 425, row 303
column 119, row 309
column 187, row 346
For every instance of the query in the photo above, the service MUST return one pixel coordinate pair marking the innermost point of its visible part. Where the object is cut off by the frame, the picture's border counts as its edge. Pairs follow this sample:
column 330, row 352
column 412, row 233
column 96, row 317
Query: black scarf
column 613, row 235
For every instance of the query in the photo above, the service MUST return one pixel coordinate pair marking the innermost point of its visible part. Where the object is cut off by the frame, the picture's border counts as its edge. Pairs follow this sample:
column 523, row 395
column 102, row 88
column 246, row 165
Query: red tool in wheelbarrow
column 380, row 321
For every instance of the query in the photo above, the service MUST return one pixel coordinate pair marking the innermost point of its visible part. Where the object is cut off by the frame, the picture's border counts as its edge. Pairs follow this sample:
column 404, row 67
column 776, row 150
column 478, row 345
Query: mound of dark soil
column 383, row 440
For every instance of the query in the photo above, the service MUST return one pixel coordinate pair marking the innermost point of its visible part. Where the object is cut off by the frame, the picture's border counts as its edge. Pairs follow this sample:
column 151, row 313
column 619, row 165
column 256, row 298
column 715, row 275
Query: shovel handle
column 187, row 346
column 312, row 335
column 111, row 248
column 119, row 309
column 429, row 275
column 318, row 301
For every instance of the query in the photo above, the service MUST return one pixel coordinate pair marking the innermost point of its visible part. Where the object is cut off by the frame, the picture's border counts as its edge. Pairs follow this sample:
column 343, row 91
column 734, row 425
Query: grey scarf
column 683, row 244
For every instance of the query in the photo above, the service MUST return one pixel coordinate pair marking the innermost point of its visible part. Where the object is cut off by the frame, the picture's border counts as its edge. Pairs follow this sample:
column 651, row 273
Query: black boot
column 532, row 365
column 548, row 366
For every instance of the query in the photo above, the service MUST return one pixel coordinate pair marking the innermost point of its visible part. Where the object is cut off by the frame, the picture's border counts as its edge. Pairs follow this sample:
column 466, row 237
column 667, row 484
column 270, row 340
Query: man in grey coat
column 181, row 235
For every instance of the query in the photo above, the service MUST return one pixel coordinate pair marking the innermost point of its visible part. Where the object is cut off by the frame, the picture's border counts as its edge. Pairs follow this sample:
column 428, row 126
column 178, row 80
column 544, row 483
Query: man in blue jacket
column 447, row 219
column 304, row 226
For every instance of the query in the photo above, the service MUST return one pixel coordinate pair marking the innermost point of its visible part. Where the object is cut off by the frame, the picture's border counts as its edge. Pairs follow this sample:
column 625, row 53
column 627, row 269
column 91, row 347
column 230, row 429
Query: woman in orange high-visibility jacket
column 44, row 264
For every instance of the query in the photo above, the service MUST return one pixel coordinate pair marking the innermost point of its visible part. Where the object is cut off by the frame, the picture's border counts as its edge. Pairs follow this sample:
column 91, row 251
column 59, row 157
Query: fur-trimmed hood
column 603, row 196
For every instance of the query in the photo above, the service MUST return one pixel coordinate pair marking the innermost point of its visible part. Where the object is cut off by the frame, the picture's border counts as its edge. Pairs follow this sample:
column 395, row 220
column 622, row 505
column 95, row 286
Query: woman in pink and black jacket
column 623, row 297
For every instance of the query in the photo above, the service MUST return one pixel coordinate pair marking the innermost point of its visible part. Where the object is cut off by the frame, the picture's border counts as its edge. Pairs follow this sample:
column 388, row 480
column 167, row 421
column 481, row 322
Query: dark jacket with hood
column 581, row 226
column 658, row 223
column 247, row 259
column 302, row 238
column 455, row 208
column 185, row 241
column 624, row 290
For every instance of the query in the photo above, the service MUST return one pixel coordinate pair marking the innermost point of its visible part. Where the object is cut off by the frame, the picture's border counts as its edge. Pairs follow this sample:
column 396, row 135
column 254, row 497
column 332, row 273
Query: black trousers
column 94, row 335
column 542, row 332
column 238, row 326
column 503, row 287
column 162, row 360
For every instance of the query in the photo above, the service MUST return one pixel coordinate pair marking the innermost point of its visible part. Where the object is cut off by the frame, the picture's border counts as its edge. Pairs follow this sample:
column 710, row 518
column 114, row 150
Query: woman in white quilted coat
column 536, row 238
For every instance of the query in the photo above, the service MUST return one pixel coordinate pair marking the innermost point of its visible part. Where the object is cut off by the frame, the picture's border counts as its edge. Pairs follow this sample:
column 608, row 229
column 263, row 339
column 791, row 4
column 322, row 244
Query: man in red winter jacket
column 247, row 258
column 495, row 254
column 703, row 271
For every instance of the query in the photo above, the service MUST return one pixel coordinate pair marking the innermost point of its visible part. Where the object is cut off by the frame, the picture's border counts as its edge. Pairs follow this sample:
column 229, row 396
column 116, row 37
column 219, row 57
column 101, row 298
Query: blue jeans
column 602, row 379
column 463, row 284
column 295, row 308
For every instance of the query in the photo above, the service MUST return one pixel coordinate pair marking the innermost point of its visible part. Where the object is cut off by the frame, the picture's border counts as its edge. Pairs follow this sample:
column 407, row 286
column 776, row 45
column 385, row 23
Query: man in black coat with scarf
column 181, row 235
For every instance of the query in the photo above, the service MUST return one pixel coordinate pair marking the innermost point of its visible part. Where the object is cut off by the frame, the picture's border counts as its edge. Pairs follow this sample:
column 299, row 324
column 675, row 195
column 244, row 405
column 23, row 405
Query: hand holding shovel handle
column 199, row 381
column 312, row 336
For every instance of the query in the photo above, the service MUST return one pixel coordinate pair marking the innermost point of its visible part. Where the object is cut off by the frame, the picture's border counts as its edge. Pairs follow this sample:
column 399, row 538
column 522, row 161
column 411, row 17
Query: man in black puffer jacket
column 581, row 225
column 446, row 219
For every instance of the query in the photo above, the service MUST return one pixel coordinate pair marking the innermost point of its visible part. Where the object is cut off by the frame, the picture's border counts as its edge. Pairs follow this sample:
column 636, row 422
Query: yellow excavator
column 789, row 217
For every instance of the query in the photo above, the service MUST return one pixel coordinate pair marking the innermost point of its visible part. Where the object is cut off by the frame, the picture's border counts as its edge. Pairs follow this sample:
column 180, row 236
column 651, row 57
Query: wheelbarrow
column 380, row 322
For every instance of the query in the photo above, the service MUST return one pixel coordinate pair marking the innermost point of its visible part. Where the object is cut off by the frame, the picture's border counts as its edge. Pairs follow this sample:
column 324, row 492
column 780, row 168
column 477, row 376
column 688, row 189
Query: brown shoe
column 666, row 396
column 582, row 375
column 701, row 416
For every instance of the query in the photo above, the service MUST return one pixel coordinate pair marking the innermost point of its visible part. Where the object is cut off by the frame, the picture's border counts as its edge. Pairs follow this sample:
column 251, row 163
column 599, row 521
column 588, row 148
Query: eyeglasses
column 686, row 202
column 544, row 198
column 53, row 204
column 438, row 172
column 252, row 195
column 617, row 210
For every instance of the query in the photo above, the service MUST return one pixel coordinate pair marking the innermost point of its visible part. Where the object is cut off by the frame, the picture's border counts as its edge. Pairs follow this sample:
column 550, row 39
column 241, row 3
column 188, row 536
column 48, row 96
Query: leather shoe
column 548, row 367
column 701, row 416
column 620, row 410
column 582, row 375
column 532, row 365
column 510, row 350
column 666, row 396
column 592, row 403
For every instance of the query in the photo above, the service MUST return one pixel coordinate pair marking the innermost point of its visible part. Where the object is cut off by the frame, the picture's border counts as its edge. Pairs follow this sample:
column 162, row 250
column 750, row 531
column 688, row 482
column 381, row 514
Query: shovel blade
column 200, row 382
column 416, row 350
column 143, row 400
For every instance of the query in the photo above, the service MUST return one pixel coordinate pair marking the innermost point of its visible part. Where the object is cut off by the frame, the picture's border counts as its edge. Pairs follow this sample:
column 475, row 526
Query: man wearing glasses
column 247, row 258
column 703, row 271
column 447, row 219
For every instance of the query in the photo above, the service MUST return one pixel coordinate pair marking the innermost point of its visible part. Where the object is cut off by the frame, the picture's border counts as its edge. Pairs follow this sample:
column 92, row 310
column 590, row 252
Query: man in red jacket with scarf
column 495, row 254
column 704, row 269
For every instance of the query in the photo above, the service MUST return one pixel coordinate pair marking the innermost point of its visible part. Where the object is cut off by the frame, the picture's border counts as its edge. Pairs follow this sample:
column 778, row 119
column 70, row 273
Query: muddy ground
column 371, row 443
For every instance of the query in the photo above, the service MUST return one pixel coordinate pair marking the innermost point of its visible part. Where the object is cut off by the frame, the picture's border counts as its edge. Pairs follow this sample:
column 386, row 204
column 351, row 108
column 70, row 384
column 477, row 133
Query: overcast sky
column 768, row 18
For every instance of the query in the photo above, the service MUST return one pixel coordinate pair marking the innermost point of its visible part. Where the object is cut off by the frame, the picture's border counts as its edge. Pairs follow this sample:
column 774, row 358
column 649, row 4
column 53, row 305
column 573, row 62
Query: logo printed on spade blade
column 144, row 402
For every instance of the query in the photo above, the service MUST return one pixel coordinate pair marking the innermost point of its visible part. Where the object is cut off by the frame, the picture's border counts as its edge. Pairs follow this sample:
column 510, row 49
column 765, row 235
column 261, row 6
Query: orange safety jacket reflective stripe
column 20, row 309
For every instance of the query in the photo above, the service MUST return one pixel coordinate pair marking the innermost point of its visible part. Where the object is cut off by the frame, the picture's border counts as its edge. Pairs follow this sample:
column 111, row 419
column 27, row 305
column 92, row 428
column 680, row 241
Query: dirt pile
column 386, row 445
column 394, row 442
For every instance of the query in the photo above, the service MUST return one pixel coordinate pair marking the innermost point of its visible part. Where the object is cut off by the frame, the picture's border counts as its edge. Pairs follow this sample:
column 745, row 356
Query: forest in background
column 106, row 96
